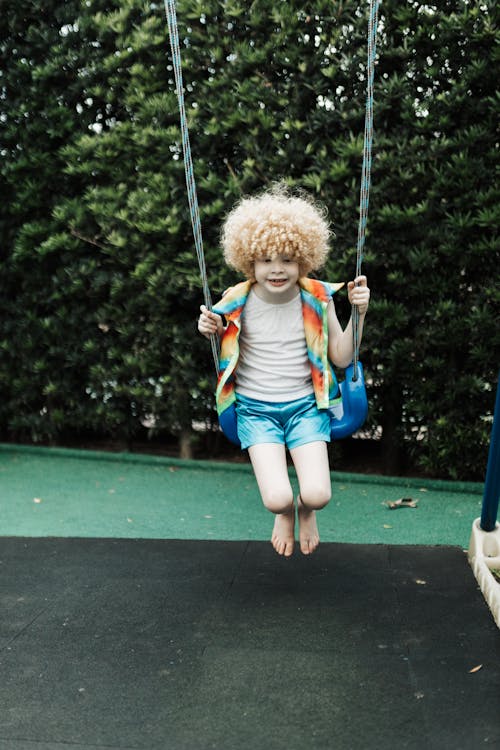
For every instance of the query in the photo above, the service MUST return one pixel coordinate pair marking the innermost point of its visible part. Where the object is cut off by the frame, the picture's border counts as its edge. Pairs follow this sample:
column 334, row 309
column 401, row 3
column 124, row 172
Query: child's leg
column 313, row 473
column 269, row 465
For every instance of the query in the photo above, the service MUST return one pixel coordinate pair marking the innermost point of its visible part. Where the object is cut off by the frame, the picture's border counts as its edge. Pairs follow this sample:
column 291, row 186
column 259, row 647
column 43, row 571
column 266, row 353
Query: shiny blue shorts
column 290, row 423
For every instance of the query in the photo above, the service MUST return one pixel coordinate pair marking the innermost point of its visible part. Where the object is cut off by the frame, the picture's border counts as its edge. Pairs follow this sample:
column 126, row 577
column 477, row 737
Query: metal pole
column 491, row 494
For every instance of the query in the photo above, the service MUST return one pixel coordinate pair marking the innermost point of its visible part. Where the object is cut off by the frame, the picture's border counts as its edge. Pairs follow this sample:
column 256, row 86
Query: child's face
column 276, row 278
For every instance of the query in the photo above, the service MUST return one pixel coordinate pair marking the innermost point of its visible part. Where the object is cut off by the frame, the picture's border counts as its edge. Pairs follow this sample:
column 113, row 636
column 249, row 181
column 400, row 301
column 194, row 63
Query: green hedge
column 99, row 285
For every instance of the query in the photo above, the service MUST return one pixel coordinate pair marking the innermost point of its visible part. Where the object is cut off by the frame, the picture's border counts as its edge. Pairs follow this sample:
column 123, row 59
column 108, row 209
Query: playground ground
column 142, row 606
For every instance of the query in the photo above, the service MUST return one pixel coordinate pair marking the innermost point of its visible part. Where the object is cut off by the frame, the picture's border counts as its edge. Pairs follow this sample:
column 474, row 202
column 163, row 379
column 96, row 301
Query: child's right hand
column 209, row 323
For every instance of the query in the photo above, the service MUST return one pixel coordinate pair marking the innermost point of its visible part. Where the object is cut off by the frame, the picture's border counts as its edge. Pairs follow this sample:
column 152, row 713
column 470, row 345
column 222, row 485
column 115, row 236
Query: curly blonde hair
column 273, row 223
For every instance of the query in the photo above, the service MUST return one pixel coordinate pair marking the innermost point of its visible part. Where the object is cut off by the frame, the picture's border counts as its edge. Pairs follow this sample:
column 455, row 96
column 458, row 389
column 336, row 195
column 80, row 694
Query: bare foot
column 283, row 538
column 308, row 530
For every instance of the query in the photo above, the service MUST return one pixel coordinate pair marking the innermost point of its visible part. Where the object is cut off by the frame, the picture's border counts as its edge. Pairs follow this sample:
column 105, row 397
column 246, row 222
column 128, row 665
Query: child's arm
column 210, row 323
column 340, row 343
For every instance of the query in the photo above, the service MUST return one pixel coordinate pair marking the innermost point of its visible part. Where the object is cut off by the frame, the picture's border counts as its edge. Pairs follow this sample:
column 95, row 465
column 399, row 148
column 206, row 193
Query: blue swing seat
column 354, row 402
column 229, row 425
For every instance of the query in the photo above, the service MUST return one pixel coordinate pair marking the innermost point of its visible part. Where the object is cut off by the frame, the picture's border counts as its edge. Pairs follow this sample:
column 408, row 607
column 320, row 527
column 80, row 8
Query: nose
column 276, row 265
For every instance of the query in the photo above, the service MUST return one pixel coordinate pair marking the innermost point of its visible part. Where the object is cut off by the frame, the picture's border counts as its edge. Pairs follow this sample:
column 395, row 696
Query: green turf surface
column 67, row 493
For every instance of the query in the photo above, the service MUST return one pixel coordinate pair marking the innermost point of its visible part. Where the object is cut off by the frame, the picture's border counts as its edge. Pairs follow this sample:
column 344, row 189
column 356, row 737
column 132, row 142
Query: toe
column 304, row 547
column 288, row 549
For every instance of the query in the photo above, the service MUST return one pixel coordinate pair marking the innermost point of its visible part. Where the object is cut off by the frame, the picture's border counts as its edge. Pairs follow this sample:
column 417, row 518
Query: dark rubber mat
column 192, row 645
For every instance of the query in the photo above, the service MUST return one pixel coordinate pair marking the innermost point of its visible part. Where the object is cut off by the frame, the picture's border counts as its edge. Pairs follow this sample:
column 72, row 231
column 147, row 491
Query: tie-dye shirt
column 315, row 296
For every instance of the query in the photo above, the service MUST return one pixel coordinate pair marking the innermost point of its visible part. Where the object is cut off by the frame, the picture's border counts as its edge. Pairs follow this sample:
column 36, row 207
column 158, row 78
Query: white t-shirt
column 273, row 364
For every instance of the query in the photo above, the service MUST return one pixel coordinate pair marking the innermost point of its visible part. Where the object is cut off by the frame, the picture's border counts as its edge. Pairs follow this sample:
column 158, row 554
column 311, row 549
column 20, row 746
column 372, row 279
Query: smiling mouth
column 277, row 282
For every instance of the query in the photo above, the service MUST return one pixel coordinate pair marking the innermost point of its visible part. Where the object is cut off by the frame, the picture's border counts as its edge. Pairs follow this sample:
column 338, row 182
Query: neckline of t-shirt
column 263, row 302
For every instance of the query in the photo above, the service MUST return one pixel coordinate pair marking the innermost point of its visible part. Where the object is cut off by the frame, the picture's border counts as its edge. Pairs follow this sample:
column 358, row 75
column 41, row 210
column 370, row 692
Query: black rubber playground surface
column 191, row 645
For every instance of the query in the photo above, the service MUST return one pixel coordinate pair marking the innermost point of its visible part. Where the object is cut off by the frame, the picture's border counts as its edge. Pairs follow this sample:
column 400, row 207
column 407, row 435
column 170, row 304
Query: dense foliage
column 99, row 284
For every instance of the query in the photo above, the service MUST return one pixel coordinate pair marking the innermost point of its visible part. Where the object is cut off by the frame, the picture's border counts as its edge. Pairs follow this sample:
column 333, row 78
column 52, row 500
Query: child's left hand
column 359, row 294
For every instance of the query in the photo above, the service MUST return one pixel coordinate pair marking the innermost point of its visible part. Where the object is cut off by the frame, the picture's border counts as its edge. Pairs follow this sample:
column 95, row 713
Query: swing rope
column 191, row 184
column 366, row 168
column 188, row 167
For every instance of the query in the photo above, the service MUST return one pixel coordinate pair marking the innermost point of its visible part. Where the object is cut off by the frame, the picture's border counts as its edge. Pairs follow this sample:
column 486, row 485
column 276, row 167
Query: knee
column 278, row 501
column 316, row 497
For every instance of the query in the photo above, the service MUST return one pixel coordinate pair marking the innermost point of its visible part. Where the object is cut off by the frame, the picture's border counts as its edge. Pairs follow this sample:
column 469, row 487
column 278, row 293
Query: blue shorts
column 290, row 423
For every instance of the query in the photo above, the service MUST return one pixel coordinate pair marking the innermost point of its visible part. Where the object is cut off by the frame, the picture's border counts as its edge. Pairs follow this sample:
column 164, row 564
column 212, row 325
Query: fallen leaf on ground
column 475, row 669
column 403, row 502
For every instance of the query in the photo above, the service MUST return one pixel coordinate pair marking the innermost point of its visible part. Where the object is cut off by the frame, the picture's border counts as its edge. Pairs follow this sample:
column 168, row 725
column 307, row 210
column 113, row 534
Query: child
column 282, row 333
